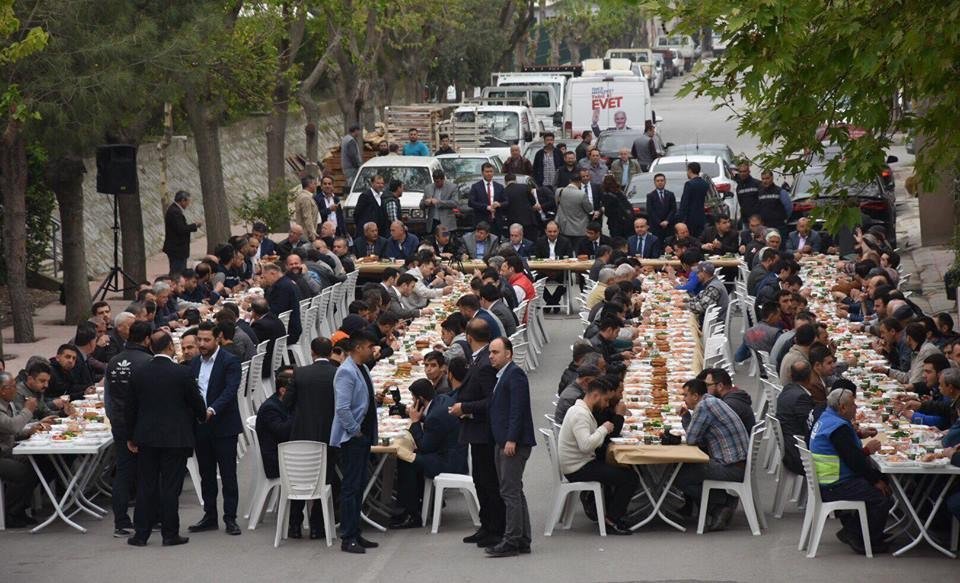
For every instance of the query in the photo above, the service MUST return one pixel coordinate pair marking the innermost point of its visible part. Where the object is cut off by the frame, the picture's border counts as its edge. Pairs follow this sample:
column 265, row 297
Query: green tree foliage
column 793, row 67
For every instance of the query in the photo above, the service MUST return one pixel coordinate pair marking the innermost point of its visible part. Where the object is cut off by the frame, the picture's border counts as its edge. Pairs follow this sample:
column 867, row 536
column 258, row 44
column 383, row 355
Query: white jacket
column 579, row 438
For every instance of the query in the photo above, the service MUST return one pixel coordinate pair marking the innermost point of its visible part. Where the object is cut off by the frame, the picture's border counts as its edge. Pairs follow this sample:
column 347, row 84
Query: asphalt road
column 655, row 553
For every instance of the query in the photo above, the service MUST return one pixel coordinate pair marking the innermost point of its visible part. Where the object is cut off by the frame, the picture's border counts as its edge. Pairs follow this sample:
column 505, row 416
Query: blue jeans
column 743, row 352
column 354, row 456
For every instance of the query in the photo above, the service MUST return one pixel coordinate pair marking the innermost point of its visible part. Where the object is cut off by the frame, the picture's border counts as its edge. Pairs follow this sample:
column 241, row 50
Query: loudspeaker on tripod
column 117, row 169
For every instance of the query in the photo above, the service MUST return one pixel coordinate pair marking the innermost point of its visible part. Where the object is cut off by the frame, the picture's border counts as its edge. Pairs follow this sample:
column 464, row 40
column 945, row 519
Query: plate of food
column 625, row 440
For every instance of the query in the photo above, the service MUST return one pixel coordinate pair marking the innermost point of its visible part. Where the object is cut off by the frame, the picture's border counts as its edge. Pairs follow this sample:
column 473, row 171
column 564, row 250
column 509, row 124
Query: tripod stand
column 117, row 275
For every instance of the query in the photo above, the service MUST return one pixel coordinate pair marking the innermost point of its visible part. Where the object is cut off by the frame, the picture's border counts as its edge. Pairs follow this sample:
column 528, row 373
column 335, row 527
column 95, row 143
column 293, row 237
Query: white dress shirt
column 332, row 217
column 206, row 368
column 553, row 248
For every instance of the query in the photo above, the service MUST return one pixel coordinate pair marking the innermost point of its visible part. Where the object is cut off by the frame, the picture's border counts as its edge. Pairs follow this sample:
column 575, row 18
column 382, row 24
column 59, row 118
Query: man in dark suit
column 487, row 199
column 520, row 244
column 794, row 405
column 310, row 397
column 283, row 296
column 370, row 243
column 163, row 407
column 588, row 246
column 520, row 209
column 445, row 244
column 511, row 423
column 267, row 326
column 471, row 408
column 274, row 421
column 369, row 208
column 661, row 208
column 644, row 244
column 553, row 245
column 218, row 374
column 692, row 200
column 435, row 433
column 469, row 305
column 176, row 233
column 267, row 245
column 329, row 205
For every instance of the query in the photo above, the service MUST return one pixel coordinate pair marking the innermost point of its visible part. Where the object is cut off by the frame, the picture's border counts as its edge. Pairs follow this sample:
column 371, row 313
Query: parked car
column 722, row 150
column 463, row 164
column 877, row 203
column 642, row 184
column 610, row 141
column 831, row 151
column 713, row 167
column 415, row 172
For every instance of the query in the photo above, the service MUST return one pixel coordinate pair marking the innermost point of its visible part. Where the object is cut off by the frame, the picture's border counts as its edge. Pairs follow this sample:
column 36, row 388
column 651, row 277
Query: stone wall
column 244, row 155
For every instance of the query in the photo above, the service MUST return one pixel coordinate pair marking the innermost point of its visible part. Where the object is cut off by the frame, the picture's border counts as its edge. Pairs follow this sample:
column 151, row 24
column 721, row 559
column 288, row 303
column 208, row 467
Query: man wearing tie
column 218, row 374
column 511, row 424
column 592, row 190
column 163, row 407
column 588, row 247
column 487, row 199
column 354, row 430
column 644, row 244
column 661, row 207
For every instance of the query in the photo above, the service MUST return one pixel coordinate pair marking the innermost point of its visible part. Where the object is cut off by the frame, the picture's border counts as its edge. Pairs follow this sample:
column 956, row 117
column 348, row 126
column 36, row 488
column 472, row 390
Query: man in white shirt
column 577, row 443
column 423, row 293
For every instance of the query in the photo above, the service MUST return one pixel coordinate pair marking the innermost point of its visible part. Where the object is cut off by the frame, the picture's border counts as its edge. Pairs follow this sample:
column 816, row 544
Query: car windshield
column 610, row 143
column 414, row 178
column 708, row 168
column 538, row 98
column 503, row 126
column 807, row 183
column 455, row 168
column 639, row 57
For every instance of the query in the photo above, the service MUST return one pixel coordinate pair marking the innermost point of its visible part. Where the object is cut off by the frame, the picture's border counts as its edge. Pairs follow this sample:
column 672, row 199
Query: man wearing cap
column 712, row 293
column 439, row 201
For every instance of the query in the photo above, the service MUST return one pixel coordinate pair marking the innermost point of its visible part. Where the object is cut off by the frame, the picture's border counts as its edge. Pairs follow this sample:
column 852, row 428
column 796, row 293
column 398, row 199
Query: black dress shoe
column 524, row 549
column 124, row 532
column 206, row 523
column 502, row 550
column 617, row 529
column 295, row 531
column 475, row 536
column 366, row 543
column 316, row 534
column 406, row 521
column 352, row 547
column 491, row 540
column 176, row 540
column 231, row 527
column 136, row 542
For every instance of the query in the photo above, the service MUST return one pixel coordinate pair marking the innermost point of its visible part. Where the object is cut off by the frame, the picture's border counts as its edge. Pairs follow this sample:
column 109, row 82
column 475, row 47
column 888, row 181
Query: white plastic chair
column 747, row 489
column 303, row 476
column 433, row 489
column 815, row 516
column 276, row 361
column 260, row 485
column 254, row 390
column 301, row 350
column 3, row 509
column 194, row 470
column 244, row 442
column 788, row 483
column 562, row 508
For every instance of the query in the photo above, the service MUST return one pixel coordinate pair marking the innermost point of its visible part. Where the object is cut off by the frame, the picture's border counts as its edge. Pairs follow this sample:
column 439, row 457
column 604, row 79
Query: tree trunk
column 13, row 182
column 553, row 59
column 276, row 164
column 165, row 199
column 206, row 136
column 65, row 178
column 134, row 252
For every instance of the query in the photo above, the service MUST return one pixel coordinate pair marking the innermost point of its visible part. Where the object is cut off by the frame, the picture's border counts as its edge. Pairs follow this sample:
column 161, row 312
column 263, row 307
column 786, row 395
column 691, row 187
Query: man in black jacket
column 70, row 375
column 164, row 405
column 116, row 390
column 471, row 408
column 176, row 231
column 553, row 245
column 310, row 397
column 691, row 209
column 274, row 421
column 283, row 296
column 661, row 208
column 793, row 411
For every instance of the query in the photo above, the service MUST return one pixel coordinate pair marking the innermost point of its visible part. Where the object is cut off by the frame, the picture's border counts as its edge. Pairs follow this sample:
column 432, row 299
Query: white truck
column 541, row 98
column 493, row 128
column 683, row 43
column 555, row 79
column 642, row 58
column 612, row 98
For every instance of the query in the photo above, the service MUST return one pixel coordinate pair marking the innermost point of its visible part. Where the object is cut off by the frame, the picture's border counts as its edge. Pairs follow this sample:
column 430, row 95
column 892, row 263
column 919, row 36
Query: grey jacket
column 470, row 244
column 11, row 426
column 350, row 159
column 443, row 210
column 573, row 211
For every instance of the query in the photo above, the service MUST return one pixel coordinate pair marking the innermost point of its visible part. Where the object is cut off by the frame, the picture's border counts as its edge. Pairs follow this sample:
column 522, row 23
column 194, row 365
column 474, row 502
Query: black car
column 877, row 203
column 611, row 141
column 831, row 151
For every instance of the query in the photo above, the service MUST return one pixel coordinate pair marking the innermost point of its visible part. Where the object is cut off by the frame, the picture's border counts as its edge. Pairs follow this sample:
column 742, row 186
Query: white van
column 541, row 98
column 606, row 99
column 415, row 172
column 642, row 58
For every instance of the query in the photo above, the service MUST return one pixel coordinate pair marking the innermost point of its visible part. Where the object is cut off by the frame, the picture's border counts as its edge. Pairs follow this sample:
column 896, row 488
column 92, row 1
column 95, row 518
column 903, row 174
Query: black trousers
column 19, row 480
column 878, row 506
column 160, row 473
column 619, row 484
column 124, row 482
column 492, row 510
column 217, row 452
